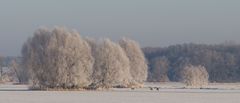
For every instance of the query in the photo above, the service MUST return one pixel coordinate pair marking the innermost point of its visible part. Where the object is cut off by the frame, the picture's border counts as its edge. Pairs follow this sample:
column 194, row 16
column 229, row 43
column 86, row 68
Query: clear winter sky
column 151, row 22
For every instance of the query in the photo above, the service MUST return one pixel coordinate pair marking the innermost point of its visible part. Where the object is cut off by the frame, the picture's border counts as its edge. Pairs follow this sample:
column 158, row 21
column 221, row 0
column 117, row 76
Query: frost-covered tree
column 111, row 66
column 195, row 76
column 58, row 58
column 138, row 65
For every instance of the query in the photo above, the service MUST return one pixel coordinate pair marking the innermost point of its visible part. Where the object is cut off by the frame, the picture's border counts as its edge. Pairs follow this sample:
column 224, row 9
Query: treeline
column 61, row 58
column 221, row 61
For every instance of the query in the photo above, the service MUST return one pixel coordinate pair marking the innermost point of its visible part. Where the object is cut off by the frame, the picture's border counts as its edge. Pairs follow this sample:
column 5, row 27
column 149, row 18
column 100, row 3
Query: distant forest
column 221, row 61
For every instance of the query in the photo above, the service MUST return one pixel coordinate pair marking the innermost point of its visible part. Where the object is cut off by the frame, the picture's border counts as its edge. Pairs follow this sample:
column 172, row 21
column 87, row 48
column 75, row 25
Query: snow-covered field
column 168, row 93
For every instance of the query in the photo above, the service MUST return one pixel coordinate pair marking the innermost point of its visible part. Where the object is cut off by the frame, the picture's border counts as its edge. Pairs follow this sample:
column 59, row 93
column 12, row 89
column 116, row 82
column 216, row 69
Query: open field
column 168, row 93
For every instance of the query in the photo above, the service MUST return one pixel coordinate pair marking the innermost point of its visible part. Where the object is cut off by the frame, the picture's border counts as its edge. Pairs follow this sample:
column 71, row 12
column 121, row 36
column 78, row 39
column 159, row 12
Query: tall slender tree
column 138, row 65
column 111, row 66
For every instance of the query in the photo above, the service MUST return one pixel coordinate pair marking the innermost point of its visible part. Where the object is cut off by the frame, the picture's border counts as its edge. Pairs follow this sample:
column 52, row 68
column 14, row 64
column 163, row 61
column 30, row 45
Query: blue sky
column 151, row 22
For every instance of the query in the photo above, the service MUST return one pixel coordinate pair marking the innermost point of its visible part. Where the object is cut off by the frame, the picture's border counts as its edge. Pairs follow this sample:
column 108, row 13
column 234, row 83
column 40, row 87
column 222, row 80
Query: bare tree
column 138, row 65
column 111, row 66
column 1, row 65
column 195, row 76
column 159, row 66
column 58, row 58
column 19, row 72
column 1, row 68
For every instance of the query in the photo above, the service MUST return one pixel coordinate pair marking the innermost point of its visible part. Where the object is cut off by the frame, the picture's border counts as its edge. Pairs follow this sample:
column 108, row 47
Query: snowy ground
column 168, row 93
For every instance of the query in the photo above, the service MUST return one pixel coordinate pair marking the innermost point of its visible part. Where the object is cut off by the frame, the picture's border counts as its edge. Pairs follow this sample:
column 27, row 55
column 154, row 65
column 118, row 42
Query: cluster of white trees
column 60, row 58
column 195, row 76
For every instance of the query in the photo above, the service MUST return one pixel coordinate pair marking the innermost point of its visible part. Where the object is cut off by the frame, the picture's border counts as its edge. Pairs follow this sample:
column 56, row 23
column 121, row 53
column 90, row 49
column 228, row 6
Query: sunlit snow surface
column 168, row 93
